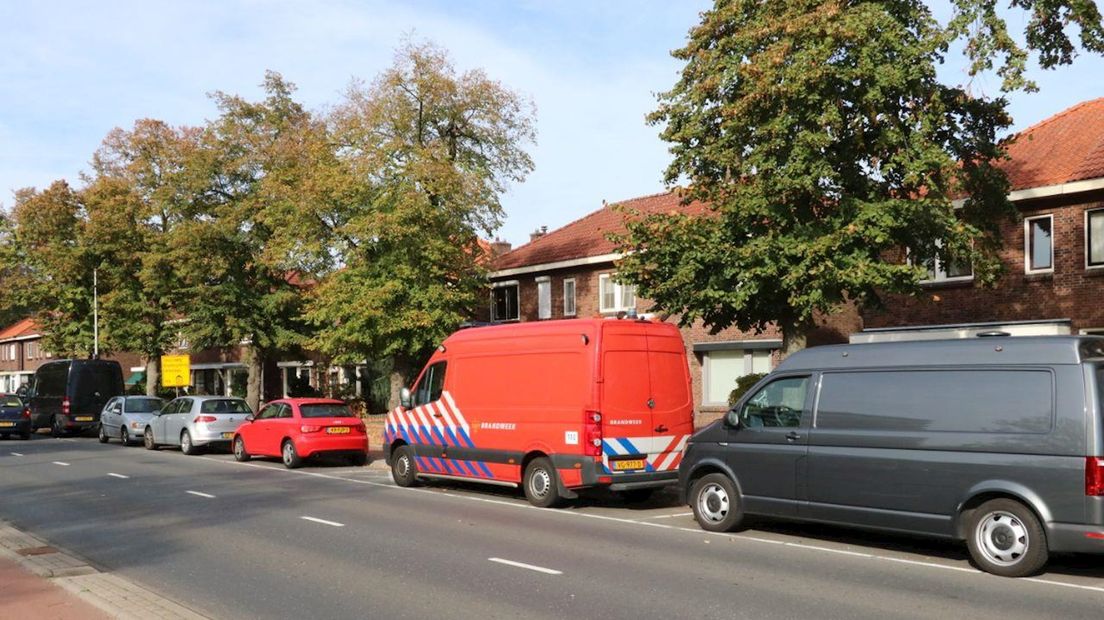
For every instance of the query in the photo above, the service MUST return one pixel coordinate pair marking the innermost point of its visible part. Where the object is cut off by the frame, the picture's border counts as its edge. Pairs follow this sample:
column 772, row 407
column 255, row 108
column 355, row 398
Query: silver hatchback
column 195, row 422
column 126, row 417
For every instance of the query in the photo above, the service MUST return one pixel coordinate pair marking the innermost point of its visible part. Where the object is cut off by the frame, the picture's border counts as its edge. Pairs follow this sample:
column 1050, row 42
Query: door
column 768, row 448
column 627, row 402
column 428, row 425
column 671, row 403
column 174, row 422
column 258, row 434
column 159, row 420
column 112, row 416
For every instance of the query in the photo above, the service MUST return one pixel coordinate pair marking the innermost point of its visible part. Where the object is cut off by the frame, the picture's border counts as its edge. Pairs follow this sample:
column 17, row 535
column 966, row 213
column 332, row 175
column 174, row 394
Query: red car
column 296, row 429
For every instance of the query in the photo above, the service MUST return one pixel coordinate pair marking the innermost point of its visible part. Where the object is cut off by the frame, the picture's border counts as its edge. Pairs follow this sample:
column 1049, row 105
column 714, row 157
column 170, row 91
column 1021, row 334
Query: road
column 253, row 540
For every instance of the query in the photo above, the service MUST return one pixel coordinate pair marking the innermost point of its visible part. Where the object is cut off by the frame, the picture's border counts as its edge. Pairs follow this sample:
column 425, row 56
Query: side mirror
column 732, row 418
column 249, row 418
column 405, row 399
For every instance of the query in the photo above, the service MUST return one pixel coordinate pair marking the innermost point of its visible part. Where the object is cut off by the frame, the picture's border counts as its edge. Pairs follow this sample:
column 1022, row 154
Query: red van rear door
column 626, row 392
column 672, row 404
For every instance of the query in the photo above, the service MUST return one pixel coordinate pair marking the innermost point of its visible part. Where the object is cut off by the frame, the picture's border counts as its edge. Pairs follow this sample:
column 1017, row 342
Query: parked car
column 195, row 422
column 997, row 442
column 125, row 417
column 553, row 406
column 15, row 418
column 296, row 429
column 68, row 395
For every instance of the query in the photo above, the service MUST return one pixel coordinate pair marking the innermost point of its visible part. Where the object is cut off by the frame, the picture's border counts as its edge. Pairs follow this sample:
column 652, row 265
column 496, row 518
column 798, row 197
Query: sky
column 72, row 71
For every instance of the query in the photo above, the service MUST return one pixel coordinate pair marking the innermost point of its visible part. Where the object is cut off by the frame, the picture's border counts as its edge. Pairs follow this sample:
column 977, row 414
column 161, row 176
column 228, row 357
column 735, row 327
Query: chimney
column 537, row 234
column 500, row 247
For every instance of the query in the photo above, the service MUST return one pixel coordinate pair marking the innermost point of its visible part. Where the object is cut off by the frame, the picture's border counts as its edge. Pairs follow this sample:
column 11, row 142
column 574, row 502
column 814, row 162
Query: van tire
column 147, row 439
column 404, row 470
column 1005, row 538
column 541, row 483
column 56, row 429
column 716, row 503
column 102, row 434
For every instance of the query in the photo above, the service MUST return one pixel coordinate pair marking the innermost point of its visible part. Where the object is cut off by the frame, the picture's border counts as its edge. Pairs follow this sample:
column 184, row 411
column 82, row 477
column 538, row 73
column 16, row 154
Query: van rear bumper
column 1075, row 538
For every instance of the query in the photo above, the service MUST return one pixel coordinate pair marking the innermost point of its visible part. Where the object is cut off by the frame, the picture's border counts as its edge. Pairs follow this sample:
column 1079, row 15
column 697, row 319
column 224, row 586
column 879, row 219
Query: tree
column 828, row 152
column 425, row 153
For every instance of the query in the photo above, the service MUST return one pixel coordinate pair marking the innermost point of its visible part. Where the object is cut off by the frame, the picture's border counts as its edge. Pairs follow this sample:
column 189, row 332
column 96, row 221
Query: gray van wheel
column 56, row 428
column 716, row 503
column 541, row 484
column 403, row 469
column 1005, row 538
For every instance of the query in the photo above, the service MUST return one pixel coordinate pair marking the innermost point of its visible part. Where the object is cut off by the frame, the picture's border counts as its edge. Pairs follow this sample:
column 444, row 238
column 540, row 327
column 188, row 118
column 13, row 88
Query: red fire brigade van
column 554, row 406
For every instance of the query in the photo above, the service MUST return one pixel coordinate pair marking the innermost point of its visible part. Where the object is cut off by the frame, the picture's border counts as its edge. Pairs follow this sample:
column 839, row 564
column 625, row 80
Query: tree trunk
column 254, row 361
column 794, row 336
column 153, row 374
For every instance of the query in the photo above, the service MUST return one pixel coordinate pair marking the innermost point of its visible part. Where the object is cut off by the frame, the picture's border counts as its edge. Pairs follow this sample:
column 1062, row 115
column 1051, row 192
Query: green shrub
column 743, row 384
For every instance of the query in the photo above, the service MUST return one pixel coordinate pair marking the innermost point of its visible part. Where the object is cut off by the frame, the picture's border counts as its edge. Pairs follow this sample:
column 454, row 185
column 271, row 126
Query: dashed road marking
column 539, row 569
column 200, row 494
column 17, row 454
column 322, row 521
column 62, row 463
column 115, row 475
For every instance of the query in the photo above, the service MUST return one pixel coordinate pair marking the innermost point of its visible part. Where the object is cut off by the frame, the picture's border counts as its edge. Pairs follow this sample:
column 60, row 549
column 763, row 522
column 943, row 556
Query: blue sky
column 72, row 71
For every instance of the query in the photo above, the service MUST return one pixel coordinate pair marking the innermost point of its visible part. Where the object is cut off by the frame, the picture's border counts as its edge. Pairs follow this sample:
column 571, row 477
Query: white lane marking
column 115, row 475
column 62, row 463
column 201, row 494
column 17, row 454
column 539, row 569
column 829, row 550
column 677, row 514
column 67, row 440
column 322, row 521
column 696, row 531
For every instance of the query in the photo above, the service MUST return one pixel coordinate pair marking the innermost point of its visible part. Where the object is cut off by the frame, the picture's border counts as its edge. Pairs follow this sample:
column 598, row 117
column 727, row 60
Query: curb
column 110, row 593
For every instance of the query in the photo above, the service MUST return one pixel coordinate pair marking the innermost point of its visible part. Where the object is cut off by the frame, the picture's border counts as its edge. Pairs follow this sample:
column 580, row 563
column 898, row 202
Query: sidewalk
column 41, row 582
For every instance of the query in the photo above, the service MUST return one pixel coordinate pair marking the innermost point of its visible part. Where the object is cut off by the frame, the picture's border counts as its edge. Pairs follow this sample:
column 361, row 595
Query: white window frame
column 1088, row 248
column 504, row 284
column 569, row 311
column 1027, row 243
column 749, row 366
column 1092, row 331
column 544, row 298
column 618, row 294
column 939, row 272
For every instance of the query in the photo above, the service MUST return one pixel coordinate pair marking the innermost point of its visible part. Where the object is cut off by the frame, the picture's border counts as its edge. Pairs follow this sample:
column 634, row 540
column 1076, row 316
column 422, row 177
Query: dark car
column 67, row 395
column 15, row 419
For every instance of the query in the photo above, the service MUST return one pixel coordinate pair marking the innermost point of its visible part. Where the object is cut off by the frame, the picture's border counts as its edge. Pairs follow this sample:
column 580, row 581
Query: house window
column 1039, row 244
column 1094, row 238
column 721, row 369
column 951, row 270
column 569, row 297
column 614, row 296
column 504, row 302
column 544, row 298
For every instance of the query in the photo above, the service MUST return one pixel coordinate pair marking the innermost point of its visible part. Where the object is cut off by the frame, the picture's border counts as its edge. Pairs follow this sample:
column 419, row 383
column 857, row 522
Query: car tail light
column 592, row 433
column 310, row 428
column 65, row 406
column 359, row 428
column 27, row 413
column 205, row 418
column 1094, row 476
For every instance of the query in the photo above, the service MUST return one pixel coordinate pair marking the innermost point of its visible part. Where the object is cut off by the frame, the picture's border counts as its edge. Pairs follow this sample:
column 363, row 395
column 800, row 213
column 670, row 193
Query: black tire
column 124, row 436
column 289, row 455
column 636, row 496
column 147, row 439
column 186, row 445
column 358, row 460
column 716, row 503
column 1005, row 538
column 102, row 434
column 25, row 435
column 541, row 483
column 240, row 453
column 56, row 429
column 404, row 469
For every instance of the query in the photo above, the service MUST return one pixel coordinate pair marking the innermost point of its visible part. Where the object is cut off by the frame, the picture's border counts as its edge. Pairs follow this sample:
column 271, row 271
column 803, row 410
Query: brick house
column 571, row 272
column 1053, row 256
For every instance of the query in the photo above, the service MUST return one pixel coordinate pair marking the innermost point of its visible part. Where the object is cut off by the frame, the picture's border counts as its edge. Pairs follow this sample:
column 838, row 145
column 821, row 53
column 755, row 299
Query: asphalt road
column 254, row 540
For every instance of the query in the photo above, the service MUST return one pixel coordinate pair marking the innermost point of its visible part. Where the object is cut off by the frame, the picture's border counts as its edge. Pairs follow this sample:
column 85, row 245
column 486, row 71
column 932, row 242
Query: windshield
column 10, row 401
column 325, row 410
column 227, row 405
column 143, row 405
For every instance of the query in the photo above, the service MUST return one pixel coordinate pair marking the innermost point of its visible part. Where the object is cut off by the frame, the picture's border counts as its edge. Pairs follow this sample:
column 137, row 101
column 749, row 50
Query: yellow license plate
column 83, row 418
column 7, row 424
column 338, row 430
column 628, row 464
column 228, row 435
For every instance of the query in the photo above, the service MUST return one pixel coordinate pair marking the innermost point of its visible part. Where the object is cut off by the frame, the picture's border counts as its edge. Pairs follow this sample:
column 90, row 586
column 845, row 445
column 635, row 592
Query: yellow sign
column 176, row 371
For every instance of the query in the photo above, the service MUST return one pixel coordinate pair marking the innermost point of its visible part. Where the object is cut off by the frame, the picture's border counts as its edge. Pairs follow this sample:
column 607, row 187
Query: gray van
column 996, row 441
column 67, row 395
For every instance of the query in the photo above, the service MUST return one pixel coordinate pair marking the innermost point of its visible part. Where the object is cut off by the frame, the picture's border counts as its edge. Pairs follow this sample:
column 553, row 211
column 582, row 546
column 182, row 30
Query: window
column 268, row 412
column 721, row 369
column 778, row 404
column 544, row 298
column 1039, row 244
column 569, row 297
column 1094, row 238
column 940, row 270
column 963, row 401
column 504, row 302
column 614, row 296
column 432, row 384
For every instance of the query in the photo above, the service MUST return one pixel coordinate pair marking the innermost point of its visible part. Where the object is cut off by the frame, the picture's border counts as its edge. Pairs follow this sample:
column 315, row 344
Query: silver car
column 194, row 422
column 125, row 417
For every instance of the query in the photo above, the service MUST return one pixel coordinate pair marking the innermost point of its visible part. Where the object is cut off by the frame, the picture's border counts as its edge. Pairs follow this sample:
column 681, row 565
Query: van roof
column 957, row 352
column 573, row 326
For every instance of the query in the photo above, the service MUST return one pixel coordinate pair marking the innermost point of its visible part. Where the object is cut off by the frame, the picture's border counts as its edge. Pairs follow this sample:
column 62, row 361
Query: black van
column 67, row 395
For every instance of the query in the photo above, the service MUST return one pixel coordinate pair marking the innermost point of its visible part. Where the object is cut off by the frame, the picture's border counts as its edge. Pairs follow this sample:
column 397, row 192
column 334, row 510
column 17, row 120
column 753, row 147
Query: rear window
column 10, row 401
column 226, row 405
column 144, row 405
column 325, row 411
column 51, row 380
column 98, row 381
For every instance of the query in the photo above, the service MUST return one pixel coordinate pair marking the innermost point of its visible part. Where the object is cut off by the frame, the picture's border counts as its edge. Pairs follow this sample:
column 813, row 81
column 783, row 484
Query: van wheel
column 56, row 429
column 716, row 503
column 1006, row 539
column 147, row 439
column 186, row 445
column 240, row 454
column 290, row 456
column 102, row 434
column 403, row 468
column 541, row 484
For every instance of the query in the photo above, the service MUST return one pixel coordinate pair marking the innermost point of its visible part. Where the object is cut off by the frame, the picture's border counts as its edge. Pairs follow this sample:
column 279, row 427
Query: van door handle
column 792, row 436
column 437, row 415
column 661, row 429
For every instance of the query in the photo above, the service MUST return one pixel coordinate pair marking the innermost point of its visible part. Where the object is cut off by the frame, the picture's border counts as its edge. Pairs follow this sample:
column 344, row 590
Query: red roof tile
column 1064, row 148
column 26, row 327
column 586, row 236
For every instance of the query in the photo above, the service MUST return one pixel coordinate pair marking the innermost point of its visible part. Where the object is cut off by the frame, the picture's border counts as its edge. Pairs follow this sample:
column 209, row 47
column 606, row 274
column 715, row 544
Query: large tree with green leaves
column 826, row 148
column 425, row 153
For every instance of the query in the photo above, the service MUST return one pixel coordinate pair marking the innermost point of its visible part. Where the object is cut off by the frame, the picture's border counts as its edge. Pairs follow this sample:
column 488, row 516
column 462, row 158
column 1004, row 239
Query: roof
column 587, row 236
column 1064, row 148
column 21, row 329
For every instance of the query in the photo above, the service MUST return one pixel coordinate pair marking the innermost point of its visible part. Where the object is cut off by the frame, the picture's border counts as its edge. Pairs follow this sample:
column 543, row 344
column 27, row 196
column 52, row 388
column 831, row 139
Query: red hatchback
column 295, row 429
